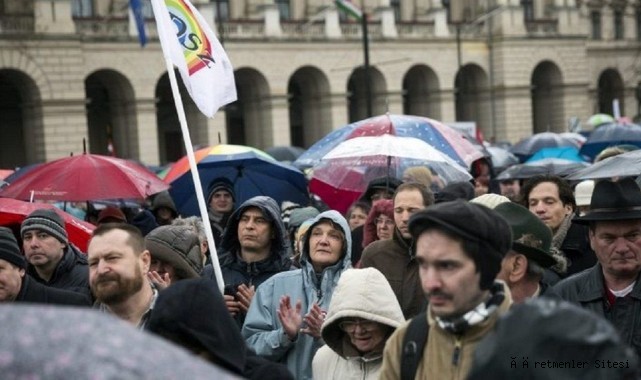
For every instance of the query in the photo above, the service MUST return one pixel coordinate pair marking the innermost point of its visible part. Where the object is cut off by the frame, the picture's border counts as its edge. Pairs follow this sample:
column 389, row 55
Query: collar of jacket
column 594, row 288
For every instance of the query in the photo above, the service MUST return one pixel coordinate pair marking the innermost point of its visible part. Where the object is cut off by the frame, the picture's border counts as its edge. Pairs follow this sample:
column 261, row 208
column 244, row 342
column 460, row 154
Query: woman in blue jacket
column 284, row 320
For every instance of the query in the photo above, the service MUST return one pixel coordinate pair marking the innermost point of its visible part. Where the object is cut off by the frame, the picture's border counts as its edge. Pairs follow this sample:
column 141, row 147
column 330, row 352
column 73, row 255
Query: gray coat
column 587, row 288
column 262, row 329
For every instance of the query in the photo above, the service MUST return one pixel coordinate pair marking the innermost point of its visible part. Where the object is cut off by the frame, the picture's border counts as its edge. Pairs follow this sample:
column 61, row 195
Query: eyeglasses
column 387, row 222
column 349, row 326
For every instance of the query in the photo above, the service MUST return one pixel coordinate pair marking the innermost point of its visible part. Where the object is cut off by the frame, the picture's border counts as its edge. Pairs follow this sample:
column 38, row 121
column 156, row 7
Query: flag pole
column 190, row 156
column 366, row 66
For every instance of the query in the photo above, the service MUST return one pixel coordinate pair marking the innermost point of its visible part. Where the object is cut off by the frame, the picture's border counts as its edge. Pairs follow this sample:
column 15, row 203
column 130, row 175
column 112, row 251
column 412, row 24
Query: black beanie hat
column 9, row 249
column 471, row 222
column 218, row 184
column 46, row 220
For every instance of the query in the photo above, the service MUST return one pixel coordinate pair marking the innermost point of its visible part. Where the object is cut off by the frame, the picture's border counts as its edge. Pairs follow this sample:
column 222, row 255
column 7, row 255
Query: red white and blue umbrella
column 440, row 136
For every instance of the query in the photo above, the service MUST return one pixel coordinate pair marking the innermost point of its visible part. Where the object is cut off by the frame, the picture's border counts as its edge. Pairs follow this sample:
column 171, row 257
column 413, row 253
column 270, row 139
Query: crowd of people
column 536, row 279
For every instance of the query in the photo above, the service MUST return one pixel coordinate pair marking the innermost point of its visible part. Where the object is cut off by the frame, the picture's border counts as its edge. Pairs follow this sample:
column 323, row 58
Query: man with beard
column 118, row 262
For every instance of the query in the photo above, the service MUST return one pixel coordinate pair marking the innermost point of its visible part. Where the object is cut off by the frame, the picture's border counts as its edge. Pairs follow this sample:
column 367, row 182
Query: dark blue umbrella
column 525, row 148
column 252, row 174
column 611, row 134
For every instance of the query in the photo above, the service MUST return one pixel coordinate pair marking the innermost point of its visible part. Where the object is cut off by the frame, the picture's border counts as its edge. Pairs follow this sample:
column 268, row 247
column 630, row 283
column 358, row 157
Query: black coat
column 32, row 291
column 587, row 289
column 576, row 248
column 71, row 273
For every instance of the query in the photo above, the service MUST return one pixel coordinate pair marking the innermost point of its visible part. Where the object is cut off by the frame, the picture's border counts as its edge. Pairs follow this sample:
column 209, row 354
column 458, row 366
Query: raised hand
column 290, row 317
column 231, row 304
column 161, row 282
column 245, row 295
column 314, row 321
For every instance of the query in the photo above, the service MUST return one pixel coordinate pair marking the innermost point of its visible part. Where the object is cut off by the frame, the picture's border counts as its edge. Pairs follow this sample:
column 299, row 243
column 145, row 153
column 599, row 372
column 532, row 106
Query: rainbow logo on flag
column 193, row 40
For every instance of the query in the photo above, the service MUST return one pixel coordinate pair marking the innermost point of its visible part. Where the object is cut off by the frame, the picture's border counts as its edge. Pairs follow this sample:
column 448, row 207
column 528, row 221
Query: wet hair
column 427, row 194
column 566, row 195
column 366, row 207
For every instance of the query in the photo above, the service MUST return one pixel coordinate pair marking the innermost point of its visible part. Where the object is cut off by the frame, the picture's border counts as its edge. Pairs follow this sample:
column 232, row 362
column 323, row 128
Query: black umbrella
column 547, row 166
column 611, row 134
column 530, row 145
column 501, row 158
column 47, row 342
column 622, row 165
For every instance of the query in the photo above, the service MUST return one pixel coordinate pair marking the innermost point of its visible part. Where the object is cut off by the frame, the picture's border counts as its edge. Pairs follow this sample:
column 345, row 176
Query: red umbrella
column 86, row 177
column 13, row 212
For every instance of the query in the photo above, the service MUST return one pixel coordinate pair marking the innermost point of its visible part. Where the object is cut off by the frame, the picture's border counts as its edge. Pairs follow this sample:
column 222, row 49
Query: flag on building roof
column 348, row 7
column 136, row 10
column 189, row 43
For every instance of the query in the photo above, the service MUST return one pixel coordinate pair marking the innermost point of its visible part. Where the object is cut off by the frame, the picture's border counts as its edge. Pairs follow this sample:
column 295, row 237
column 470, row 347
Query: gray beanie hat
column 178, row 246
column 9, row 250
column 48, row 221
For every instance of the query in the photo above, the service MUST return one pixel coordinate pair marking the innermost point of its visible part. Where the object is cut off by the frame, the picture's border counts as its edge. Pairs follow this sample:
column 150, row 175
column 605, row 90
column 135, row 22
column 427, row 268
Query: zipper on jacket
column 456, row 355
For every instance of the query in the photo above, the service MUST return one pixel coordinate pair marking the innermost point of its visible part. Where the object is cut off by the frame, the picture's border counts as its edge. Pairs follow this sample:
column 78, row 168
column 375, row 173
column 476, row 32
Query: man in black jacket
column 17, row 286
column 52, row 260
column 612, row 288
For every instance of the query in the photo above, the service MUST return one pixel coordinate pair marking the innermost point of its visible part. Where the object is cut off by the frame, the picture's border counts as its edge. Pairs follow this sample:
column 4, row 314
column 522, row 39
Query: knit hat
column 178, row 246
column 111, row 214
column 470, row 222
column 9, row 250
column 48, row 221
column 221, row 183
column 145, row 221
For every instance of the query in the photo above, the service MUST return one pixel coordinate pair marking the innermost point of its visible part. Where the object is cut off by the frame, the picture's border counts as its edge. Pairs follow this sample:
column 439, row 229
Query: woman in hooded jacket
column 363, row 314
column 284, row 320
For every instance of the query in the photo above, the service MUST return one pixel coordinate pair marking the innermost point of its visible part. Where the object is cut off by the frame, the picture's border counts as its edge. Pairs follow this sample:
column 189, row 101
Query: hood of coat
column 229, row 245
column 360, row 293
column 338, row 219
column 193, row 311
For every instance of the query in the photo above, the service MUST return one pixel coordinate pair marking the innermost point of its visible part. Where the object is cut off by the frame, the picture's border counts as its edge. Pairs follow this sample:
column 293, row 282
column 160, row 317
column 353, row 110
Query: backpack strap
column 413, row 346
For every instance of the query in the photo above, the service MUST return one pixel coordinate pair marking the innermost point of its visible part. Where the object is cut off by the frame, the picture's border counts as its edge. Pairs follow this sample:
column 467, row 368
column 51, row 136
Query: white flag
column 188, row 42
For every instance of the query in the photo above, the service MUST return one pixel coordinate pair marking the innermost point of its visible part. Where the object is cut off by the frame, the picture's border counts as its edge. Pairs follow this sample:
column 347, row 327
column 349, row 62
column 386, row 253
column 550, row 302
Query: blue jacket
column 262, row 329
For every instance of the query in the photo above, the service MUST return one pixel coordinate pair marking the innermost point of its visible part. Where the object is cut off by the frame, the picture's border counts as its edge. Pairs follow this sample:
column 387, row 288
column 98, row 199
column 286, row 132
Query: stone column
column 147, row 138
column 280, row 134
column 272, row 21
column 332, row 24
column 61, row 119
column 388, row 23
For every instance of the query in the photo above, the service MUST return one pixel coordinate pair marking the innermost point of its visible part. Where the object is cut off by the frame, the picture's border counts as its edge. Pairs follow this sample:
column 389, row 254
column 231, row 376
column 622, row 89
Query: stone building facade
column 73, row 70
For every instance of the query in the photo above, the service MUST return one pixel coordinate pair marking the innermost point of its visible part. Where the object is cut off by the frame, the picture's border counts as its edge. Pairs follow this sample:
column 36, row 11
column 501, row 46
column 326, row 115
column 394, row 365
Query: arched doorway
column 472, row 97
column 249, row 119
column 21, row 118
column 547, row 98
column 357, row 97
column 310, row 115
column 610, row 87
column 111, row 114
column 420, row 89
column 171, row 146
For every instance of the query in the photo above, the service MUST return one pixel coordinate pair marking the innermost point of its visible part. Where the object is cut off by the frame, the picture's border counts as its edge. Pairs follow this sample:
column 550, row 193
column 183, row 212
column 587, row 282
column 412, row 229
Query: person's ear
column 519, row 268
column 145, row 260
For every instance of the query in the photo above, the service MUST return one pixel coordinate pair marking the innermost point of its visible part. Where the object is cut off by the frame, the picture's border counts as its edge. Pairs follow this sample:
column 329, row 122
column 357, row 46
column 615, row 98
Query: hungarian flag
column 188, row 42
column 348, row 7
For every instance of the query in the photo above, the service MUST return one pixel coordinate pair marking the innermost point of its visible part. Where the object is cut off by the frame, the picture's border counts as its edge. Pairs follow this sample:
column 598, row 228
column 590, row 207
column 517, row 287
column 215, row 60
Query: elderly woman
column 380, row 222
column 285, row 317
column 362, row 315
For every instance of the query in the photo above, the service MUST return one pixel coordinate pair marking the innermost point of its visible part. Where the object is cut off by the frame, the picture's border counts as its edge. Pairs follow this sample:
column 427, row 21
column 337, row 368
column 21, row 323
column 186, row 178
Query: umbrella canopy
column 611, row 134
column 569, row 153
column 13, row 212
column 181, row 166
column 438, row 135
column 285, row 153
column 579, row 138
column 501, row 158
column 546, row 166
column 344, row 172
column 251, row 173
column 79, row 343
column 599, row 119
column 84, row 178
column 530, row 145
column 622, row 165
